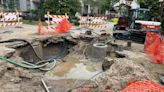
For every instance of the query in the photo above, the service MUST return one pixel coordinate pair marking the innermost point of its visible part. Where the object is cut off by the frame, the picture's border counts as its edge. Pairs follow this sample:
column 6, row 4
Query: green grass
column 33, row 22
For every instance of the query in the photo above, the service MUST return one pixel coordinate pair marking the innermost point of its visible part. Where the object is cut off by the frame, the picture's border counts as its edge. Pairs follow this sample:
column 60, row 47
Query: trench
column 50, row 51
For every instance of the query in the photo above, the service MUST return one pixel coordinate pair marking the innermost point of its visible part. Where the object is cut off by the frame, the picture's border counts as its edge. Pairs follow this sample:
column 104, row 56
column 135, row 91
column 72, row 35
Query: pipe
column 13, row 40
column 53, row 64
column 21, row 65
column 45, row 86
column 29, row 65
column 54, row 57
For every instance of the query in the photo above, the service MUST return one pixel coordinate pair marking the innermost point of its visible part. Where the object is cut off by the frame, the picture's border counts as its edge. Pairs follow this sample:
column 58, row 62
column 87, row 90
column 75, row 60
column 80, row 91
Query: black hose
column 40, row 65
column 54, row 57
column 13, row 40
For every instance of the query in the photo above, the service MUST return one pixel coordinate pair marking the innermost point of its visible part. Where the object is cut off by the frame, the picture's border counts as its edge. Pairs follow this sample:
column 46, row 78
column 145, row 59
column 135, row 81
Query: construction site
column 120, row 49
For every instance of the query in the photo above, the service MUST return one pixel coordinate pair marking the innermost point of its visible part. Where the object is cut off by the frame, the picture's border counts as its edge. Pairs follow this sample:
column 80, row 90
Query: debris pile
column 120, row 73
column 15, row 79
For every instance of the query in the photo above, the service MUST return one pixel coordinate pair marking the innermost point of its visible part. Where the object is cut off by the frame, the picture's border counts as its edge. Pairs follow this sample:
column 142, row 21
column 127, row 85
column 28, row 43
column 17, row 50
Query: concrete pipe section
column 99, row 50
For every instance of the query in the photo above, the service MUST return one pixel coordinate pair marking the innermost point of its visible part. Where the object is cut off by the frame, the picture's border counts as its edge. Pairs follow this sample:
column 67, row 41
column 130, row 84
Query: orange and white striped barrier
column 55, row 26
column 101, row 18
column 52, row 20
column 94, row 26
column 50, row 28
column 10, row 13
column 10, row 19
column 98, row 26
column 93, row 22
column 10, row 24
column 56, row 16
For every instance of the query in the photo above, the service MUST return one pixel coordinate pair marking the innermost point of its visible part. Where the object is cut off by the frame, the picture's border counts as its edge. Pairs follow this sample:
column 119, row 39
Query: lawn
column 33, row 22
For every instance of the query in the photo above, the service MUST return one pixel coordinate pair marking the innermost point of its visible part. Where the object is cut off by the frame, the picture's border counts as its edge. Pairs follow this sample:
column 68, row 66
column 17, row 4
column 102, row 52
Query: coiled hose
column 41, row 65
column 30, row 65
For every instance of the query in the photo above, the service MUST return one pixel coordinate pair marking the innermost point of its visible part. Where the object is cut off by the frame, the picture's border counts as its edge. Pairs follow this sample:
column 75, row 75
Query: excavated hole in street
column 52, row 50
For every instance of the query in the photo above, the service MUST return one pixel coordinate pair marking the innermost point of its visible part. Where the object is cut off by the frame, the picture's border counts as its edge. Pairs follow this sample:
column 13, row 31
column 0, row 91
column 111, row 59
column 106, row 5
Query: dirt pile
column 15, row 79
column 120, row 73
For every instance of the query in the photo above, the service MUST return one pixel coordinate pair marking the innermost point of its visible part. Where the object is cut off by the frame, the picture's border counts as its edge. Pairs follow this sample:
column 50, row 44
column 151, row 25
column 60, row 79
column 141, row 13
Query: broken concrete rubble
column 78, row 64
column 6, row 52
column 120, row 73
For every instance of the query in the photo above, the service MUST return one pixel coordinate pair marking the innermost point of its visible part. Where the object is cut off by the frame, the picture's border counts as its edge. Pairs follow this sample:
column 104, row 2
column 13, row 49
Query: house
column 123, row 6
column 21, row 5
column 132, row 3
column 26, row 5
column 89, row 8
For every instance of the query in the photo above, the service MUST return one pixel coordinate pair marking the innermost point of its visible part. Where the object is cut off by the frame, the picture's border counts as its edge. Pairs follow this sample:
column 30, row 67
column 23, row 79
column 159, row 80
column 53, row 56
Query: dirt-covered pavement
column 76, row 67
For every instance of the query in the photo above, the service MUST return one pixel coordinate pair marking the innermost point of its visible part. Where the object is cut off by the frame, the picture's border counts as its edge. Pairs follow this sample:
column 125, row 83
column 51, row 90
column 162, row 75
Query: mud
column 120, row 71
column 15, row 79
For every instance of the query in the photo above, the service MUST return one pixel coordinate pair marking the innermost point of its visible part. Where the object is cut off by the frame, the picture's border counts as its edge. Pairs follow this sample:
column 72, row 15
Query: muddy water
column 73, row 68
column 57, row 50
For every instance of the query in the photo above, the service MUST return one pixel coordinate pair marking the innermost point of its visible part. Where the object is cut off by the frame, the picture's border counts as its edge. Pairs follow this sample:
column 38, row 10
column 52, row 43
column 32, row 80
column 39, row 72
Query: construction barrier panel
column 10, row 19
column 53, row 22
column 93, row 22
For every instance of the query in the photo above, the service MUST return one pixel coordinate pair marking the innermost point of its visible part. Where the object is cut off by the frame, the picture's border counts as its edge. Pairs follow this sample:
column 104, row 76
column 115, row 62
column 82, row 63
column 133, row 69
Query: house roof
column 133, row 5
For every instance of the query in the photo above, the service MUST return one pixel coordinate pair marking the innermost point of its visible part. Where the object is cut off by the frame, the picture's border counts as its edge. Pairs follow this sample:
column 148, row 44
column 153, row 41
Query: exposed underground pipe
column 29, row 65
column 41, row 65
column 54, row 57
column 14, row 40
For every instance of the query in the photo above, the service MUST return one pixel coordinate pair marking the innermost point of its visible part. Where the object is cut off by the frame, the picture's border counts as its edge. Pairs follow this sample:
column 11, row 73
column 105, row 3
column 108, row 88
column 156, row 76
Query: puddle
column 79, row 71
column 71, row 69
column 64, row 67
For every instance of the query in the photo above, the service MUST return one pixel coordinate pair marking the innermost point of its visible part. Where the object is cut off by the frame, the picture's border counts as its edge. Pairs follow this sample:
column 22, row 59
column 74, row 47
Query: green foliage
column 88, row 1
column 104, row 4
column 162, row 26
column 153, row 5
column 41, row 9
column 62, row 6
column 101, row 4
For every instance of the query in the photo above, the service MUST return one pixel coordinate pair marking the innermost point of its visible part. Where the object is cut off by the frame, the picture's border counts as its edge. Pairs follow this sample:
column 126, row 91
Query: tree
column 153, row 5
column 104, row 5
column 62, row 6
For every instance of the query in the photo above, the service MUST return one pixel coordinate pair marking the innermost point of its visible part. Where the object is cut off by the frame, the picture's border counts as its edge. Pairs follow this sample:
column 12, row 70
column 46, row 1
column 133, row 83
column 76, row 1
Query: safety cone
column 40, row 27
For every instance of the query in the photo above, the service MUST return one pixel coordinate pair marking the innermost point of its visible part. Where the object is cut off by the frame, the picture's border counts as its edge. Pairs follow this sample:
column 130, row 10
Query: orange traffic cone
column 40, row 27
